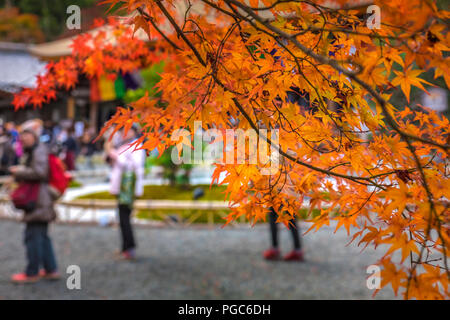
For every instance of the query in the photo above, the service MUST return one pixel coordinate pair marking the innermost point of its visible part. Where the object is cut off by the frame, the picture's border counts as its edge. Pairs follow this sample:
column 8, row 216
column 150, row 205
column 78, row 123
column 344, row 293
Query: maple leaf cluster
column 108, row 50
column 347, row 151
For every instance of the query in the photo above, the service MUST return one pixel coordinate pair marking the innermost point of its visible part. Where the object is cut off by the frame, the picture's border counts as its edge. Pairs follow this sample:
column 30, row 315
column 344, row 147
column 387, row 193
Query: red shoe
column 49, row 276
column 272, row 254
column 22, row 278
column 128, row 255
column 294, row 255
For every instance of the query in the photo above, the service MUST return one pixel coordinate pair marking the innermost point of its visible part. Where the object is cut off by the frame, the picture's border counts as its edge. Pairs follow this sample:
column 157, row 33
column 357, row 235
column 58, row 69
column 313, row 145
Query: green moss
column 169, row 193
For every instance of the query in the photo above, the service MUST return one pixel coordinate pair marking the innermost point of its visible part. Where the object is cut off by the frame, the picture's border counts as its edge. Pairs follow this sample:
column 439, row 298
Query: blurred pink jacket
column 126, row 158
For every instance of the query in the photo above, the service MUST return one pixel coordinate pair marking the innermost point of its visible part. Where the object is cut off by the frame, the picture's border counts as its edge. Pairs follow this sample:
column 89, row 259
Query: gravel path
column 191, row 263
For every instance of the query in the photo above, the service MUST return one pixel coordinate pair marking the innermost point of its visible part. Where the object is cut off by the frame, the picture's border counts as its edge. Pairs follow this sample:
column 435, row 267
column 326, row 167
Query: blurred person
column 87, row 147
column 61, row 136
column 34, row 168
column 273, row 253
column 70, row 148
column 8, row 155
column 11, row 129
column 47, row 133
column 79, row 129
column 127, row 184
column 56, row 131
column 296, row 254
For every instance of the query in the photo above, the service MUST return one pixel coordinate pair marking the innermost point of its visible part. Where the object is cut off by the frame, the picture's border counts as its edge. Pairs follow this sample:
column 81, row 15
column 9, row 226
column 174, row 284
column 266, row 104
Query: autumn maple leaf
column 141, row 23
column 408, row 78
column 390, row 274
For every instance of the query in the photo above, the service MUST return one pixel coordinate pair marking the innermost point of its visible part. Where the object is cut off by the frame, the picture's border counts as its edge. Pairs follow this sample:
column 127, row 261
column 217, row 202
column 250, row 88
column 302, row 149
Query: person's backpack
column 59, row 178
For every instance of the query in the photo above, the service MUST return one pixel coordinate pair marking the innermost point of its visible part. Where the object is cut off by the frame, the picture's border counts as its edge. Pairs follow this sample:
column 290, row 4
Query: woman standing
column 284, row 189
column 127, row 184
column 40, row 212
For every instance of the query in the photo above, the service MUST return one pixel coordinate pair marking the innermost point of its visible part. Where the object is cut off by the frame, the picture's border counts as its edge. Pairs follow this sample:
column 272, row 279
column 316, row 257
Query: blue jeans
column 39, row 249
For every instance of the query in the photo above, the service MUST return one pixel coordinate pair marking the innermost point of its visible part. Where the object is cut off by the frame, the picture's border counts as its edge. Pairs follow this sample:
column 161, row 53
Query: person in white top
column 126, row 184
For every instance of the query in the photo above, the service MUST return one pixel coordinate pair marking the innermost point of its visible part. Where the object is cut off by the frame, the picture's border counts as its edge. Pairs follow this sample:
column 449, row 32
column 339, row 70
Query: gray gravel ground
column 192, row 263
